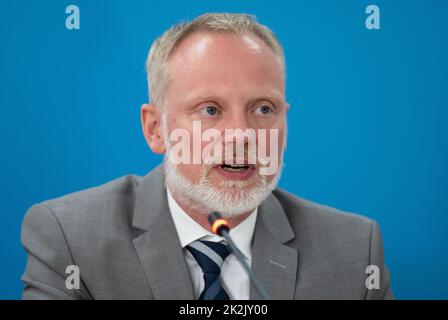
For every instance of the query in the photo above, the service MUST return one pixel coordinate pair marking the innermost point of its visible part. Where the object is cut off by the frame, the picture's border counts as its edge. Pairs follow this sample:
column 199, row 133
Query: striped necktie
column 210, row 257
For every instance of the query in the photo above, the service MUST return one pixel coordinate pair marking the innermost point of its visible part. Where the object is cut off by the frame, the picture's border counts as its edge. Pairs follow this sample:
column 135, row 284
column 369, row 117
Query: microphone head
column 212, row 217
column 218, row 223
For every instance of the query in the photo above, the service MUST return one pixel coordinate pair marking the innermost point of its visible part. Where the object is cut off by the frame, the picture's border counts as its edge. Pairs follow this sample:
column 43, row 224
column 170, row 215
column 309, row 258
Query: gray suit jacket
column 123, row 240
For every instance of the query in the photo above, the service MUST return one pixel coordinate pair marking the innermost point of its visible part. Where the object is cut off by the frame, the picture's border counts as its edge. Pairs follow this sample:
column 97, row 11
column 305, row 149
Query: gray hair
column 164, row 46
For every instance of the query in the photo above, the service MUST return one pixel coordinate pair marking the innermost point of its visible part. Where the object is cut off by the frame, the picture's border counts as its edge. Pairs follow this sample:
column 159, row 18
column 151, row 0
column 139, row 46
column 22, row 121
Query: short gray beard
column 205, row 198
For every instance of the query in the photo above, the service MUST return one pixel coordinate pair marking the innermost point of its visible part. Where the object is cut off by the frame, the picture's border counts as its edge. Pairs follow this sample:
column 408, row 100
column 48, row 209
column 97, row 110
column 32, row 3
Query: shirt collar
column 189, row 230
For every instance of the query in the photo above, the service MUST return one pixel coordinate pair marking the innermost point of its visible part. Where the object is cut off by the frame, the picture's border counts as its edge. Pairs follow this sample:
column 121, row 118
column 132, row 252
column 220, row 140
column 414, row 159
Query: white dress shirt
column 234, row 278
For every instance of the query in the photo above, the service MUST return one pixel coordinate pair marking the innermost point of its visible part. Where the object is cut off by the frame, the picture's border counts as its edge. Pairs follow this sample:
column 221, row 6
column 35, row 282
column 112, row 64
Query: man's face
column 226, row 81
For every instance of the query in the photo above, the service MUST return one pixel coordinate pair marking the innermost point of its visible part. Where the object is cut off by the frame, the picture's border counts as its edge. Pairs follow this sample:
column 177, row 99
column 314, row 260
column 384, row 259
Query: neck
column 201, row 218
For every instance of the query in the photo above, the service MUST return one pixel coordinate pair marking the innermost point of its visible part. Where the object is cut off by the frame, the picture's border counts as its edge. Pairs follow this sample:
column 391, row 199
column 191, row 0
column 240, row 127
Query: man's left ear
column 287, row 106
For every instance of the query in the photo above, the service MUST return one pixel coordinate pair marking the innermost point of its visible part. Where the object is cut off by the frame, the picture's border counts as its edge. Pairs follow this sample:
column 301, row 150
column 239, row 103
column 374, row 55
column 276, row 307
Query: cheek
column 281, row 141
column 191, row 171
column 282, row 132
column 177, row 119
column 275, row 143
column 172, row 123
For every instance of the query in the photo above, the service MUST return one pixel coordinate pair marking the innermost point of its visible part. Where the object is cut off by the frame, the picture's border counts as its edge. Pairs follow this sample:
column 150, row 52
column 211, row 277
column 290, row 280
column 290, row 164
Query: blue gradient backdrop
column 367, row 128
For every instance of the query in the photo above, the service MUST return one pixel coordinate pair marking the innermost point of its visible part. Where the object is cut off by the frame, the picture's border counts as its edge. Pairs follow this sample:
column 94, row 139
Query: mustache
column 243, row 155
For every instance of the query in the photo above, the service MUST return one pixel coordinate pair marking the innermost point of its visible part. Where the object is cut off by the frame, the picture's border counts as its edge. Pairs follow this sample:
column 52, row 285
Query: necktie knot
column 210, row 256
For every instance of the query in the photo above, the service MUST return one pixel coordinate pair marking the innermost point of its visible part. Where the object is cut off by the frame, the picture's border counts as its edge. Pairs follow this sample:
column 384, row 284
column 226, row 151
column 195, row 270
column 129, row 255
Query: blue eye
column 264, row 109
column 209, row 110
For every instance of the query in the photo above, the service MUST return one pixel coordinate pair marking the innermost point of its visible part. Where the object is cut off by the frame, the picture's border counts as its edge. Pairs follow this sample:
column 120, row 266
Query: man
column 149, row 238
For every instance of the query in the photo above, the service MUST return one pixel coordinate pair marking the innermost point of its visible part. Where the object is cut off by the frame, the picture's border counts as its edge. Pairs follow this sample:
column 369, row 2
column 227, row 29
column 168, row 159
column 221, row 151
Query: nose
column 239, row 134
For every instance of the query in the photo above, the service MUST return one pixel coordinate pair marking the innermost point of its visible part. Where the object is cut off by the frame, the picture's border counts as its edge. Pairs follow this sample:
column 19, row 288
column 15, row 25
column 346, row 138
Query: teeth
column 234, row 167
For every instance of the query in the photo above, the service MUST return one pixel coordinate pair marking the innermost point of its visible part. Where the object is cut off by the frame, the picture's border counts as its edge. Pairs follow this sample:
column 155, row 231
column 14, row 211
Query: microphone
column 220, row 226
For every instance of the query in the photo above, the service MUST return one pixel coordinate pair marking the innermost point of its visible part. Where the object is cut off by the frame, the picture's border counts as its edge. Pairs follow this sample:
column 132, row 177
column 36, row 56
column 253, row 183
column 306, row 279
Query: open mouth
column 243, row 171
column 234, row 167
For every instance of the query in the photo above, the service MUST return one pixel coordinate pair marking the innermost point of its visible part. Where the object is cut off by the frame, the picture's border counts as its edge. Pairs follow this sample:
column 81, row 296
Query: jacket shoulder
column 90, row 229
column 123, row 186
column 83, row 212
column 308, row 214
column 335, row 249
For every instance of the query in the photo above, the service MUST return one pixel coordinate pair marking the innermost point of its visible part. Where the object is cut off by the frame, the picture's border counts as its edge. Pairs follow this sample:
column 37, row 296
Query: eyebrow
column 268, row 95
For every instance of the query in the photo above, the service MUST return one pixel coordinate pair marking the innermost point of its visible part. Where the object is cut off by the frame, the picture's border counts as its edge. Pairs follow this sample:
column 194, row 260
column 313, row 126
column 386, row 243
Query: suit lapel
column 160, row 252
column 272, row 261
column 158, row 247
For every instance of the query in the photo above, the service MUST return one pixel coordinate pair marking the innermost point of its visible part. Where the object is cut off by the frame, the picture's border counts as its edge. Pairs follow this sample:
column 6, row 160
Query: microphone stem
column 261, row 290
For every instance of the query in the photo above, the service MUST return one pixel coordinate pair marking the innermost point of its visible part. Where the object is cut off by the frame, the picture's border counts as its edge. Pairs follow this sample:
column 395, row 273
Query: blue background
column 367, row 127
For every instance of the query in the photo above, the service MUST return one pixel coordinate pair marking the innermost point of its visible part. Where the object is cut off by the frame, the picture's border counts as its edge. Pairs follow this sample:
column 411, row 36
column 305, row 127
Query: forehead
column 224, row 62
